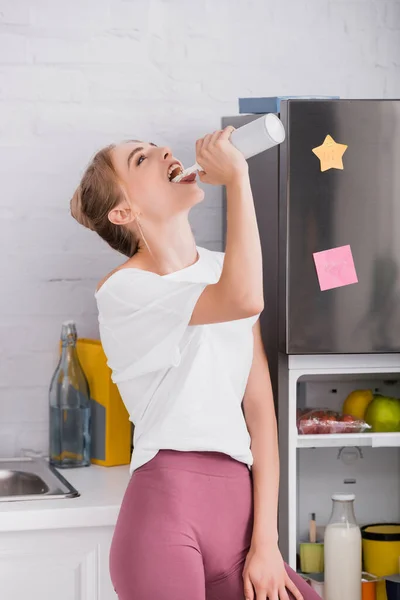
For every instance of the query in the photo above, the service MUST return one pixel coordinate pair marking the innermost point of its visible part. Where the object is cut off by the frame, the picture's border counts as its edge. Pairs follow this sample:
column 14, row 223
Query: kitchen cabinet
column 58, row 564
column 58, row 549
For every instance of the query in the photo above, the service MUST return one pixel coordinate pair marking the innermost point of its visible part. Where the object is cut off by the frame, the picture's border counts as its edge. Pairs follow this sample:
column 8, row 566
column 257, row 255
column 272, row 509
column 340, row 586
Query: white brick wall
column 76, row 75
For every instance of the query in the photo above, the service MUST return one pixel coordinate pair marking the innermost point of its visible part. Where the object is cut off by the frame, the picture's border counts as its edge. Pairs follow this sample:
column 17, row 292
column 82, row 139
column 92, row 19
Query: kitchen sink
column 32, row 479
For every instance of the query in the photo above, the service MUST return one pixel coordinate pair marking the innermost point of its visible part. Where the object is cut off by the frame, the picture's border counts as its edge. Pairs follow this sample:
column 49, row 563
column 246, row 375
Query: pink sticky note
column 335, row 268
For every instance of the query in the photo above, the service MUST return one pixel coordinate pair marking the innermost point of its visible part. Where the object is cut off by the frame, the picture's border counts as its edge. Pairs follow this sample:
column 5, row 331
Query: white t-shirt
column 182, row 385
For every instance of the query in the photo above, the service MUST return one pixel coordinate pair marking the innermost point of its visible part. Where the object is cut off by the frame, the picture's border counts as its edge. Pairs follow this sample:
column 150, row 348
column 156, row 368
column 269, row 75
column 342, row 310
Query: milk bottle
column 342, row 549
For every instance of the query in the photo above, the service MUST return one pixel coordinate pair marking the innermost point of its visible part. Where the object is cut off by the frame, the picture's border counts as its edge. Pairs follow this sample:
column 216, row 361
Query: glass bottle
column 342, row 550
column 69, row 398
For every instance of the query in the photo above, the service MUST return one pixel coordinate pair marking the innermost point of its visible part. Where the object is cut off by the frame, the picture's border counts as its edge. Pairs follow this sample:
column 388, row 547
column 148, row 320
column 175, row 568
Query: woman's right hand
column 221, row 161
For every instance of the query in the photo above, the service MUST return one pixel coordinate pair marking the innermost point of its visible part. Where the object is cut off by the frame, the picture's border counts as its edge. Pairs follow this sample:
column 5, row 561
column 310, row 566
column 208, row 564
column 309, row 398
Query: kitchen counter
column 101, row 491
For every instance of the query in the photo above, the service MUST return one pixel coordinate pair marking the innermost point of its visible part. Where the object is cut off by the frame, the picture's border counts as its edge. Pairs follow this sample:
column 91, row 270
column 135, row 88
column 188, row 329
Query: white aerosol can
column 250, row 139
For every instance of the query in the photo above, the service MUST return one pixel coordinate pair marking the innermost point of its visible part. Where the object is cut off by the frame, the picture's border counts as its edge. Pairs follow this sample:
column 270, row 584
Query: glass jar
column 342, row 550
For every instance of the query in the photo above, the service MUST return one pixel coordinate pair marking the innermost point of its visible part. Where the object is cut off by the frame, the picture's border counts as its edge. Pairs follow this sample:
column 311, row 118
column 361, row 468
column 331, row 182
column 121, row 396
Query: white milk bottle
column 342, row 549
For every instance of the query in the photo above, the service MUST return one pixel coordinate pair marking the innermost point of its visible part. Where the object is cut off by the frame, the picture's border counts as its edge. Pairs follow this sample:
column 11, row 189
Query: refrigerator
column 328, row 209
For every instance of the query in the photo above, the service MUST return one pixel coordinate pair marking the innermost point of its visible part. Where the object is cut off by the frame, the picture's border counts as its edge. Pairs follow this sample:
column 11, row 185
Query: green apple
column 383, row 414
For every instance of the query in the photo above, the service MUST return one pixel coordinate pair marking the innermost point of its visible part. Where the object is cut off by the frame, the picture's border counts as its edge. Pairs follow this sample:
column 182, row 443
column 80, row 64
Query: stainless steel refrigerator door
column 359, row 206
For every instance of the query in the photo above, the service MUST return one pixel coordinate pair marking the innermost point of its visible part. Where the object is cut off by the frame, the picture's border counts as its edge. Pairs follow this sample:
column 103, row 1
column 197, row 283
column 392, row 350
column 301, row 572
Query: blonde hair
column 97, row 194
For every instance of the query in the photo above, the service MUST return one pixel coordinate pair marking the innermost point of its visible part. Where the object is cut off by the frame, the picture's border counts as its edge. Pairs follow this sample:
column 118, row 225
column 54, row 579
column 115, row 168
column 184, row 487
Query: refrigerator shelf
column 336, row 440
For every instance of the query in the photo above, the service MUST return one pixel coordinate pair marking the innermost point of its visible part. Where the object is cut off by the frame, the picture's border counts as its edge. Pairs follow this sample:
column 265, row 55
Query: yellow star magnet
column 330, row 154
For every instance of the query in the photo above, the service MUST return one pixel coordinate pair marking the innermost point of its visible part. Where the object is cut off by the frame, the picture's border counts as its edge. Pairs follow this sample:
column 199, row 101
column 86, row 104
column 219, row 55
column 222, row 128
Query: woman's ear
column 121, row 214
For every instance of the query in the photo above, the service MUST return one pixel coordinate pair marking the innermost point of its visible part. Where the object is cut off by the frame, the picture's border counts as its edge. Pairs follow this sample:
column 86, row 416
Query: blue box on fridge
column 272, row 104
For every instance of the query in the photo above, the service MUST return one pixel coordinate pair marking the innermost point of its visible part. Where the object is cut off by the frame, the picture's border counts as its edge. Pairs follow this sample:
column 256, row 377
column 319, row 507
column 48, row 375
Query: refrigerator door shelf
column 335, row 440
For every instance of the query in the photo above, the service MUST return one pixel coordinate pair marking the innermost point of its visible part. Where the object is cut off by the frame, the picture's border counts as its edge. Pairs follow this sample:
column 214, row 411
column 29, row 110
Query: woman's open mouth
column 189, row 178
column 176, row 169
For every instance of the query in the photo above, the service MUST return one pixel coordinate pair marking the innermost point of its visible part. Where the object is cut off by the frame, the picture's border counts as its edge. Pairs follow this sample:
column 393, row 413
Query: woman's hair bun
column 77, row 211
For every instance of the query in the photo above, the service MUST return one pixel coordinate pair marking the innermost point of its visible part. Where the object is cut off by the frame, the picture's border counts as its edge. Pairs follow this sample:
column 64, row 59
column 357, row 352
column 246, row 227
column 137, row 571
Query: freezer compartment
column 322, row 210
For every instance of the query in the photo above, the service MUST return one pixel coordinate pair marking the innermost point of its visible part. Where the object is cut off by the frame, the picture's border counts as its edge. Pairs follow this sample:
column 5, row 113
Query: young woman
column 179, row 326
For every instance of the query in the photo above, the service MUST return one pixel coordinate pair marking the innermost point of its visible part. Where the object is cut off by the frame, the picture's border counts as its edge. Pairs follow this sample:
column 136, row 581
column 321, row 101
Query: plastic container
column 321, row 421
column 393, row 587
column 368, row 586
column 381, row 551
column 342, row 549
column 312, row 557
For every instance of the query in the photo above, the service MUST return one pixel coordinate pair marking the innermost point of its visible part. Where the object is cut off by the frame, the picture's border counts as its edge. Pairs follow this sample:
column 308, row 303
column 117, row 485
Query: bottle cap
column 344, row 497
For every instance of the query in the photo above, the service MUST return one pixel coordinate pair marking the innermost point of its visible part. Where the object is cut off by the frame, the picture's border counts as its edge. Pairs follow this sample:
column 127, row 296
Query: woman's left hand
column 265, row 576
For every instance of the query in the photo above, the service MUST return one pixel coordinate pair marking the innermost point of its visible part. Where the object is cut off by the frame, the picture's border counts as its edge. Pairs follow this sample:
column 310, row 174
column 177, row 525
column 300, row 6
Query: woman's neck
column 167, row 248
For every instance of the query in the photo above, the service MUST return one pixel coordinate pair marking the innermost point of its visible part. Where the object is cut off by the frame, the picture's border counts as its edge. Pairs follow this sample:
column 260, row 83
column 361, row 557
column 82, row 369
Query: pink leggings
column 184, row 530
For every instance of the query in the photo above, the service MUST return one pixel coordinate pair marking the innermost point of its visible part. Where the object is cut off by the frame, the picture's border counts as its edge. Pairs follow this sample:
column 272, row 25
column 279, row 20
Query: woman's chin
column 199, row 194
column 198, row 198
column 190, row 194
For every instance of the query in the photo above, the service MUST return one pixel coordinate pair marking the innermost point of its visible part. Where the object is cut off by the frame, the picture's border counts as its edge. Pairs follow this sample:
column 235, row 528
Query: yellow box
column 110, row 426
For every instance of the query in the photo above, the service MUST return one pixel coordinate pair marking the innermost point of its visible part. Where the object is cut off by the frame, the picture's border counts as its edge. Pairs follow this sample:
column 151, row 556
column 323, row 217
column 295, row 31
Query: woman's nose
column 166, row 152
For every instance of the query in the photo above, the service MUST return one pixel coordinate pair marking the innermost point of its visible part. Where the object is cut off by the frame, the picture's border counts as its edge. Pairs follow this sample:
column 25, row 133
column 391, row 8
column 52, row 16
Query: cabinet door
column 58, row 564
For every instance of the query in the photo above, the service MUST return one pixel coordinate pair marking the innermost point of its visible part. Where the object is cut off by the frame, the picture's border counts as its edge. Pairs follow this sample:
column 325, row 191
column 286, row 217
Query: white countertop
column 101, row 491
